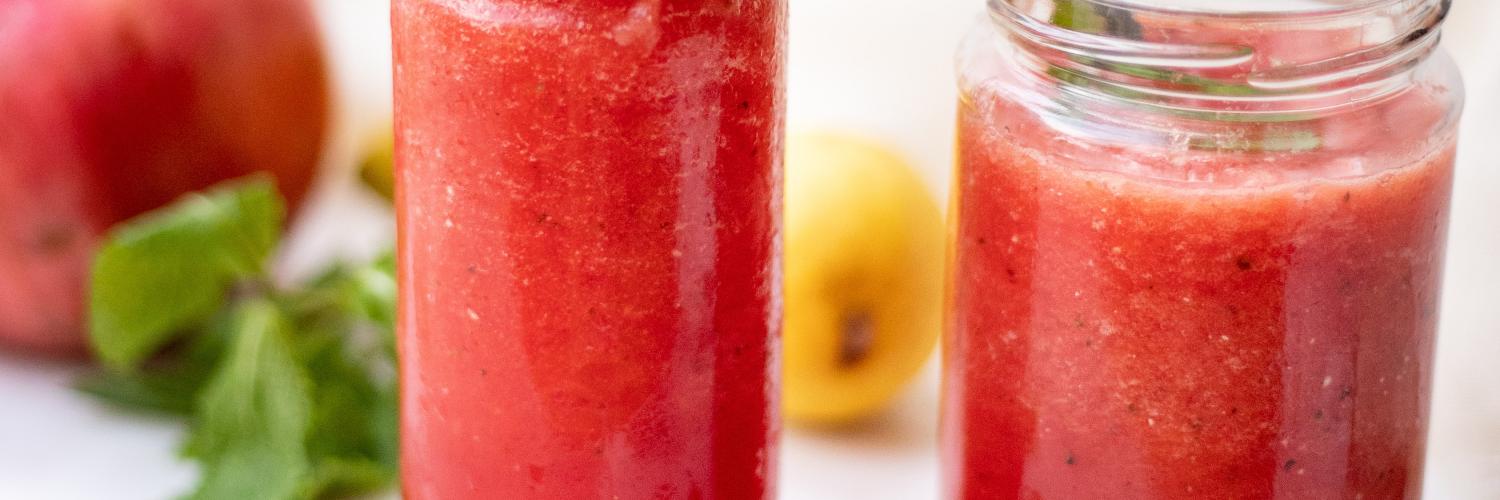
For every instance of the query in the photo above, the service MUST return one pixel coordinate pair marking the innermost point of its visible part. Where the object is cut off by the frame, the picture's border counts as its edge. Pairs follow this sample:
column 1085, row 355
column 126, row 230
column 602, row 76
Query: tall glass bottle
column 589, row 200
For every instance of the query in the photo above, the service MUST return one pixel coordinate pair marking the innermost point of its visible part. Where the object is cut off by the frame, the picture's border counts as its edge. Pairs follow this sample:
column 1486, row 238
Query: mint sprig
column 168, row 271
column 251, row 424
column 1088, row 17
column 1100, row 19
column 289, row 392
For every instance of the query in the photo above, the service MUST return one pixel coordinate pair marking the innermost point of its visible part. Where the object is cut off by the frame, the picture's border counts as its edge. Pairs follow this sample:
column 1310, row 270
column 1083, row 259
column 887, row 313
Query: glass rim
column 1114, row 46
column 1257, row 10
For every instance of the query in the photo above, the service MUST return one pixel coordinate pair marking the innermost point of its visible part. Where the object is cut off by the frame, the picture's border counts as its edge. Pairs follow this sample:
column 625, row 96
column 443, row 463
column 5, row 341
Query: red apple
column 109, row 108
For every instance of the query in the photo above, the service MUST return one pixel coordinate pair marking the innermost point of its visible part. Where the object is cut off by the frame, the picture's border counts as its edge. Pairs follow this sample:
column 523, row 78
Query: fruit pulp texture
column 588, row 201
column 1231, row 326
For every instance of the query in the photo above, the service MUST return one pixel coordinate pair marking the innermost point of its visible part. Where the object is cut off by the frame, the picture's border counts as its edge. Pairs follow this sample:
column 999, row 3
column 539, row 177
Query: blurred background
column 879, row 68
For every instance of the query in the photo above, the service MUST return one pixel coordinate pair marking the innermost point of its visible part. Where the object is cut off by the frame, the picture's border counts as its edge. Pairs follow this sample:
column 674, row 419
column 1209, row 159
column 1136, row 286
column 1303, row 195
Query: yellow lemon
column 864, row 277
column 378, row 162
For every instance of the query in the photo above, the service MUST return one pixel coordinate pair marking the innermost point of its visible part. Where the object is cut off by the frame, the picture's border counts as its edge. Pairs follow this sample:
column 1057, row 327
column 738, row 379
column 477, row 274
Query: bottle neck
column 1286, row 62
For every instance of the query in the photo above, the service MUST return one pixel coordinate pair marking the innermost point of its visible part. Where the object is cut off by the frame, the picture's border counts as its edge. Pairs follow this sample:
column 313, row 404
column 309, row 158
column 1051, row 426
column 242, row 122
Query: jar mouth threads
column 1250, row 62
column 1260, row 9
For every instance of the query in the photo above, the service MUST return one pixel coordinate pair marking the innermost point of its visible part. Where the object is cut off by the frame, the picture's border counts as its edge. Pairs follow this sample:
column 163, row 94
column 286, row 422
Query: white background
column 881, row 67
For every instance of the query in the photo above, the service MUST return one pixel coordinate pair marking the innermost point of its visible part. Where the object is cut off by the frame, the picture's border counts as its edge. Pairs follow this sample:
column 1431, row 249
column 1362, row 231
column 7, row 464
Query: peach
column 109, row 108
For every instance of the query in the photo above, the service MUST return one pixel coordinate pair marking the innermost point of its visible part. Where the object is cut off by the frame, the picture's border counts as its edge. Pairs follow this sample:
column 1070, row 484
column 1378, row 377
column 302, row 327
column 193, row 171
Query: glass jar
column 588, row 204
column 1197, row 248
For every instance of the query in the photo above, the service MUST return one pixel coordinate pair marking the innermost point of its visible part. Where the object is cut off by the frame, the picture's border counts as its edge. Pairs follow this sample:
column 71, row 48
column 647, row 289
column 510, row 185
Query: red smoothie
column 589, row 199
column 1134, row 322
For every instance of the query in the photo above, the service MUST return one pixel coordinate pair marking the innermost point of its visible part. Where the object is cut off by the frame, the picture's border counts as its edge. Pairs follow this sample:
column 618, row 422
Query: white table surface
column 877, row 66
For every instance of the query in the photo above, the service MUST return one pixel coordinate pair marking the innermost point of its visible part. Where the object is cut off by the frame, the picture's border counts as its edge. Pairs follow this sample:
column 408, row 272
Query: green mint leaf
column 253, row 470
column 169, row 270
column 1198, row 83
column 169, row 384
column 168, row 393
column 1087, row 17
column 254, row 416
column 348, row 344
column 339, row 477
column 1292, row 140
column 350, row 402
column 1076, row 17
column 377, row 291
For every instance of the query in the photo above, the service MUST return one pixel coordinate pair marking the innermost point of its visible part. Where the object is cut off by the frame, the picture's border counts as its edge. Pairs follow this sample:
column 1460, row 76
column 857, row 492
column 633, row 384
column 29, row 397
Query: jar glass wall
column 1197, row 250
